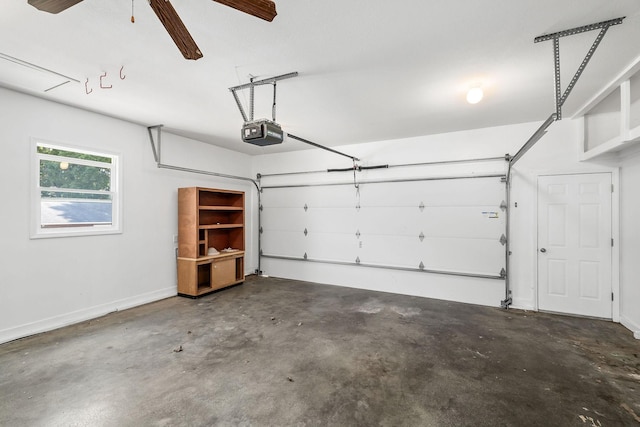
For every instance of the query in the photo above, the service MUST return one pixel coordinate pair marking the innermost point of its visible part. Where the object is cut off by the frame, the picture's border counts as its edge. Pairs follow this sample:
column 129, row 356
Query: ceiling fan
column 263, row 9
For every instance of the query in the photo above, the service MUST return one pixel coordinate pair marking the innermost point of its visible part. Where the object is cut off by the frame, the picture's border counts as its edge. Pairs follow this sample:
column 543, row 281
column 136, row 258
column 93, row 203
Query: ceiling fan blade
column 53, row 6
column 263, row 9
column 176, row 29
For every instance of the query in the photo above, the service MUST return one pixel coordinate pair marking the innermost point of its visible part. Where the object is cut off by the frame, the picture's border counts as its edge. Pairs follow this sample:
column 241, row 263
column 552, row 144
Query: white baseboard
column 632, row 326
column 66, row 319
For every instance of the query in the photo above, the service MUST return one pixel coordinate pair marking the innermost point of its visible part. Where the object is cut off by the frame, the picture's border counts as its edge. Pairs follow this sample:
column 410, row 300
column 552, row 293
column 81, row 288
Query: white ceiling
column 369, row 70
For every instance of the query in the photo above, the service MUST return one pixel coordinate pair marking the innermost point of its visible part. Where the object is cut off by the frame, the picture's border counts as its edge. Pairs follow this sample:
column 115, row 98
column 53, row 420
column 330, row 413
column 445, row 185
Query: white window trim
column 38, row 232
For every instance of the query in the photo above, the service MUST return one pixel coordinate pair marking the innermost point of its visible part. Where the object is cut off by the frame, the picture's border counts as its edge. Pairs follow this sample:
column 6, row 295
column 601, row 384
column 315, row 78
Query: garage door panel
column 456, row 255
column 283, row 243
column 447, row 225
column 454, row 192
column 327, row 220
column 332, row 246
column 283, row 219
column 474, row 222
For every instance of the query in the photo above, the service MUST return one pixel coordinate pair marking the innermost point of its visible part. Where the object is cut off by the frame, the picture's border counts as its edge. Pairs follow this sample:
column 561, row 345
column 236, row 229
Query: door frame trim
column 615, row 233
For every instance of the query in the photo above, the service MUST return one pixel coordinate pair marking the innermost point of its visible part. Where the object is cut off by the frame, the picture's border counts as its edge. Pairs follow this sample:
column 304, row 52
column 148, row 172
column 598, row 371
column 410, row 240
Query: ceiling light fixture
column 475, row 94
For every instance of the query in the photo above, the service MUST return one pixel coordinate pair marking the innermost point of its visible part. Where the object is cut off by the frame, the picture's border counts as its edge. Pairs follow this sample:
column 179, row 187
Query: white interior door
column 574, row 244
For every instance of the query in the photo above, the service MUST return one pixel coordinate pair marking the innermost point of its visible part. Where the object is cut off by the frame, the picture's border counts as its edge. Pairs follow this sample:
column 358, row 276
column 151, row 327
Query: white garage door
column 451, row 226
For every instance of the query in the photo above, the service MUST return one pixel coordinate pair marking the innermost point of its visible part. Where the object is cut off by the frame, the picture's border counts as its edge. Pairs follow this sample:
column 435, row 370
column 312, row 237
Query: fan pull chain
column 133, row 19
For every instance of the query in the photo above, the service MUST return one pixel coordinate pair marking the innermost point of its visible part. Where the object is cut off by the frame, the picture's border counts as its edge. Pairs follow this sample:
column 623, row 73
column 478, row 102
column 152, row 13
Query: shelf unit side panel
column 187, row 277
column 187, row 223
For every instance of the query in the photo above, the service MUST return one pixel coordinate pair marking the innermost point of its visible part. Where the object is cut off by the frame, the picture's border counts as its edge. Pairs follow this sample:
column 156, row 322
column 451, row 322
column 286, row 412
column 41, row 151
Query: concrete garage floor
column 276, row 352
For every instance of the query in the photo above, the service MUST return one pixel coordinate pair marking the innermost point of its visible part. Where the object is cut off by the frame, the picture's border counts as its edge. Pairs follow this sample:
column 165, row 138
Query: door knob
column 543, row 250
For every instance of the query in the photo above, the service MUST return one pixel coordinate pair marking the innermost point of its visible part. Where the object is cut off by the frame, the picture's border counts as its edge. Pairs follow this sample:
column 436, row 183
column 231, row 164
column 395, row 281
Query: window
column 76, row 192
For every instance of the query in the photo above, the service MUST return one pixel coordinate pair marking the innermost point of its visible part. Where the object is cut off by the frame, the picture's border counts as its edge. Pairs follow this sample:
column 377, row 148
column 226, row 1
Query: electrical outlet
column 361, row 243
column 175, row 238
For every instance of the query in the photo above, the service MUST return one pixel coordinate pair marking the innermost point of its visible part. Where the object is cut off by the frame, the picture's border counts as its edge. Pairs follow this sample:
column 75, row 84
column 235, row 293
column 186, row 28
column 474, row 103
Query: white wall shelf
column 611, row 120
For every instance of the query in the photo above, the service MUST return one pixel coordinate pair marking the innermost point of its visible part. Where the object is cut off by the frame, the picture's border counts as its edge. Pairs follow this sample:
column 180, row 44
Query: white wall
column 47, row 283
column 630, row 241
column 557, row 152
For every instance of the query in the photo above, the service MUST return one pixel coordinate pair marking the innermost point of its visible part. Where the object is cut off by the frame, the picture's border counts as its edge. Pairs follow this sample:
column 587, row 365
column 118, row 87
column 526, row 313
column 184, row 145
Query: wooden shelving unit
column 209, row 218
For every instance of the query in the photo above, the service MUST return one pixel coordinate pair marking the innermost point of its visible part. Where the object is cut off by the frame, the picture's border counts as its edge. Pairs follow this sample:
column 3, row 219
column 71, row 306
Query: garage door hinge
column 611, row 296
column 612, row 188
column 611, row 242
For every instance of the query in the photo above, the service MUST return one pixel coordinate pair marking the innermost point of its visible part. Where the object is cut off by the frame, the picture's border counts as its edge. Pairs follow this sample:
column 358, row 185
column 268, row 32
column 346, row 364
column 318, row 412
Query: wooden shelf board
column 221, row 208
column 235, row 254
column 219, row 226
